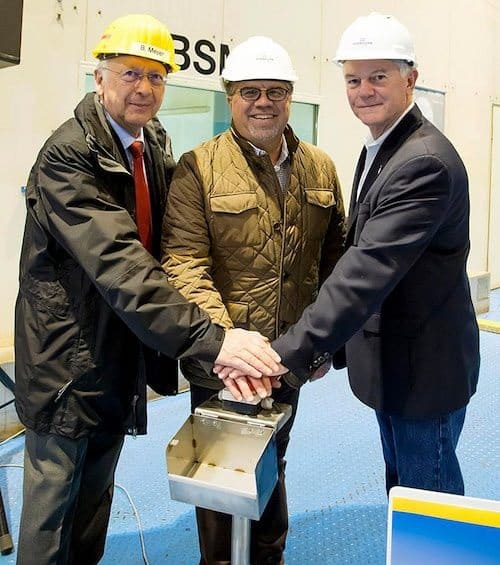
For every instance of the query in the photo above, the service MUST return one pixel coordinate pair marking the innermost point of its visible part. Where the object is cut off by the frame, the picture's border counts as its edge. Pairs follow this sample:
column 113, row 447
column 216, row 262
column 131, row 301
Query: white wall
column 455, row 45
column 458, row 48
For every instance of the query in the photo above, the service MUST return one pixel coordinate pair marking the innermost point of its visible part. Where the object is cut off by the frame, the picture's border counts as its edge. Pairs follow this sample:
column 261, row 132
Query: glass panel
column 431, row 102
column 304, row 121
column 193, row 115
column 189, row 116
column 89, row 81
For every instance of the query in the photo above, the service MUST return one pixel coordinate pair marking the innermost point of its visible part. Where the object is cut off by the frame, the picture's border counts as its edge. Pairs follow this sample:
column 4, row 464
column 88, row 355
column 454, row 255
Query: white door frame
column 493, row 257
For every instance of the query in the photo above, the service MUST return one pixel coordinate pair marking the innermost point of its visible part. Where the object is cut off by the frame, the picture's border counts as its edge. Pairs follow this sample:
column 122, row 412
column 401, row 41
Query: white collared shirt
column 125, row 137
column 281, row 165
column 373, row 145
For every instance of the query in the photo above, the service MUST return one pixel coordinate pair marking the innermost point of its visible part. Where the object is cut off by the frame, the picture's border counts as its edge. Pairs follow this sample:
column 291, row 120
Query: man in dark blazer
column 399, row 298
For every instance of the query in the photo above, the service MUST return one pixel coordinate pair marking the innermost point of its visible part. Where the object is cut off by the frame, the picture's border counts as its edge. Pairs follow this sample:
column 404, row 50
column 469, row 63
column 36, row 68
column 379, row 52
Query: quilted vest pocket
column 320, row 202
column 235, row 219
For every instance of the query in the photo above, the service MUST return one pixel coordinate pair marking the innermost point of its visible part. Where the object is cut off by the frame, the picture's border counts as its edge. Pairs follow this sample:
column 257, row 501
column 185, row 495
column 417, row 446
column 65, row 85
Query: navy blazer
column 399, row 298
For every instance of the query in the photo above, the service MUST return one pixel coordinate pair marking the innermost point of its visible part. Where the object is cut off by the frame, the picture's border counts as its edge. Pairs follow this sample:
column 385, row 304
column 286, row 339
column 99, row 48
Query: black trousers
column 67, row 494
column 268, row 535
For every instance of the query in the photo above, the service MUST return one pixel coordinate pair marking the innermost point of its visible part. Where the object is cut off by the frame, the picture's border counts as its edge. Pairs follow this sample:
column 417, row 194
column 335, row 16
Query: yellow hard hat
column 140, row 35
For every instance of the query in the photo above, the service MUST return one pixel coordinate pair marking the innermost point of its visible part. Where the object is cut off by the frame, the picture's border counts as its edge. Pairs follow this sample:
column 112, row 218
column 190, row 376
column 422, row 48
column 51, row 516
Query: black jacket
column 399, row 298
column 90, row 294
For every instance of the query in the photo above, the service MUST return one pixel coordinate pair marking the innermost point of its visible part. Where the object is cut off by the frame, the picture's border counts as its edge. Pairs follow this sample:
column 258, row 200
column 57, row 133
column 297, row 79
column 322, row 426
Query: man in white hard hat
column 94, row 304
column 254, row 223
column 399, row 298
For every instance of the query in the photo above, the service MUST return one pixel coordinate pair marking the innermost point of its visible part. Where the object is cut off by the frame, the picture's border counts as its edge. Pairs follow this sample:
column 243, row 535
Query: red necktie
column 142, row 201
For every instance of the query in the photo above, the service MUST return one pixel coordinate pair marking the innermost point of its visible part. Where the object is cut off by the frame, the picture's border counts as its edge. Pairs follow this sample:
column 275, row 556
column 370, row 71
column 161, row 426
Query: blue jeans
column 420, row 453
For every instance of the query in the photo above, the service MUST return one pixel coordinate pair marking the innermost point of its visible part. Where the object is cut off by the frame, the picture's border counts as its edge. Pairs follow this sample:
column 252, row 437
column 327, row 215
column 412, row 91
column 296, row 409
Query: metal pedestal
column 226, row 461
column 240, row 541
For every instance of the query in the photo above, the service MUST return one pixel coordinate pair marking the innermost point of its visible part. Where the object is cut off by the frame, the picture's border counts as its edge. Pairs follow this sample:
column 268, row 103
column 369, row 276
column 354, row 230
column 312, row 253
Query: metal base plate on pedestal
column 226, row 461
column 274, row 418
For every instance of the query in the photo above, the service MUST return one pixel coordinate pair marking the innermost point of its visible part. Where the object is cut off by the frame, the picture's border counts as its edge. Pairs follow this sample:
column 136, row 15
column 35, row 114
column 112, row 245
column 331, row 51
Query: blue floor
column 335, row 479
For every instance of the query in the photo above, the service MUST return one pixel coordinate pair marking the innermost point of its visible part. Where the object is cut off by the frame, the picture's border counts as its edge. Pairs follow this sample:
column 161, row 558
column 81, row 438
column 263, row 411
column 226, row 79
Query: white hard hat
column 376, row 37
column 258, row 58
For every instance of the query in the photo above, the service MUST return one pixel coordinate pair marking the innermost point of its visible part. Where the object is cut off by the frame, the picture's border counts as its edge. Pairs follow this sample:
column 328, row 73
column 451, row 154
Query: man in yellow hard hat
column 95, row 315
column 254, row 222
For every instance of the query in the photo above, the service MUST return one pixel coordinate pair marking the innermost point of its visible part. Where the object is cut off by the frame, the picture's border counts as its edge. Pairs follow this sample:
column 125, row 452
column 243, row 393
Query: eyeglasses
column 131, row 75
column 275, row 94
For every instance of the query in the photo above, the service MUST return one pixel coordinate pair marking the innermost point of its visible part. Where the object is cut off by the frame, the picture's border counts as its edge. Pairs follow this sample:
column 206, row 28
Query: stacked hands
column 248, row 365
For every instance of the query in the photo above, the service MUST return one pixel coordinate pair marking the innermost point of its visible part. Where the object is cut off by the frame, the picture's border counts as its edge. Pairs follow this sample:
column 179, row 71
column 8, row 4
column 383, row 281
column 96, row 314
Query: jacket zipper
column 62, row 390
column 280, row 284
column 133, row 430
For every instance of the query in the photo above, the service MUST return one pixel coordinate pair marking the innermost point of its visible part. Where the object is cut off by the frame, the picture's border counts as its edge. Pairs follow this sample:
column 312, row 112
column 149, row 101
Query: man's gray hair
column 101, row 65
column 405, row 68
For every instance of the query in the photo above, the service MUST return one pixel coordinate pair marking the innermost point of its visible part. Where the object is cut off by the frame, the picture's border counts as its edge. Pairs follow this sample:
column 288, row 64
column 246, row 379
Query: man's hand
column 249, row 353
column 226, row 372
column 244, row 387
